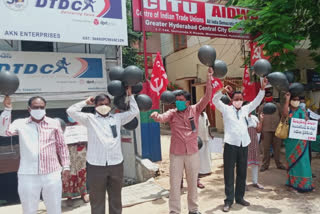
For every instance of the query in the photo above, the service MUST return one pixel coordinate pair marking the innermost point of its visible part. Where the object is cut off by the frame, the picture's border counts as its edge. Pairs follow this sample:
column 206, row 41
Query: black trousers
column 102, row 179
column 235, row 156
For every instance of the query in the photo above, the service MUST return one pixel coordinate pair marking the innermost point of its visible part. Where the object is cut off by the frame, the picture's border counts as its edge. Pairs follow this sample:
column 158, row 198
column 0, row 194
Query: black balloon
column 207, row 55
column 116, row 73
column 296, row 89
column 133, row 124
column 220, row 69
column 120, row 104
column 62, row 123
column 116, row 88
column 269, row 108
column 225, row 99
column 175, row 92
column 168, row 97
column 262, row 67
column 9, row 83
column 200, row 143
column 144, row 102
column 290, row 76
column 132, row 75
column 136, row 89
column 278, row 80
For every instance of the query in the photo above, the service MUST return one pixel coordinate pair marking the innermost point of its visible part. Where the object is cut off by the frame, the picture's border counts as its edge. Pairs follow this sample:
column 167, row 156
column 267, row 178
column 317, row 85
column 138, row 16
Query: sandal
column 257, row 185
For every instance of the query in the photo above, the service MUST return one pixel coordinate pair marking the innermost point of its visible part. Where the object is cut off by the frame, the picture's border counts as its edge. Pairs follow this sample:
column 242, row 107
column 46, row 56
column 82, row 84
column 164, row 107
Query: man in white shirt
column 104, row 155
column 42, row 152
column 236, row 138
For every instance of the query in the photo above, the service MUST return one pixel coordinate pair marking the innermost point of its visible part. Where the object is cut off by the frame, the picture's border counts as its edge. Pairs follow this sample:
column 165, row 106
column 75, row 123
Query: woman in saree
column 299, row 175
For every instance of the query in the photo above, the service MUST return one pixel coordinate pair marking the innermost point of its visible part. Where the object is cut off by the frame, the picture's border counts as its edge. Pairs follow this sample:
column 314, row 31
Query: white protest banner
column 75, row 21
column 75, row 134
column 303, row 129
column 313, row 115
column 56, row 72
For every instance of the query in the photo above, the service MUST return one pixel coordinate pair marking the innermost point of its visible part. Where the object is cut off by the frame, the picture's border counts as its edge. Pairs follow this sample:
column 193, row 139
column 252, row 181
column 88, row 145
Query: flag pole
column 144, row 43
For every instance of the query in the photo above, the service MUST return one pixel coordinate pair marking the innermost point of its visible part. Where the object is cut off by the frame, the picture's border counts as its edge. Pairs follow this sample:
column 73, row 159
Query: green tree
column 281, row 26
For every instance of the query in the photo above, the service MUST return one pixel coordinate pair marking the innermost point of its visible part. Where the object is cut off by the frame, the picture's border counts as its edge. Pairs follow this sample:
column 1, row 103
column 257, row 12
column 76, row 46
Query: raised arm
column 75, row 113
column 127, row 116
column 206, row 98
column 285, row 111
column 217, row 98
column 162, row 118
column 257, row 101
column 6, row 128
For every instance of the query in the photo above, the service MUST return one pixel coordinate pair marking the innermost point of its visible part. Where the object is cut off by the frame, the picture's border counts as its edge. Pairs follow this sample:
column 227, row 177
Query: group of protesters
column 45, row 157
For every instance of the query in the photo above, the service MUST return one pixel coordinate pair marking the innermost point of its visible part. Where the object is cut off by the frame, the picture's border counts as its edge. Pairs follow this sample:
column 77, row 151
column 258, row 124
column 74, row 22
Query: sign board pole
column 144, row 42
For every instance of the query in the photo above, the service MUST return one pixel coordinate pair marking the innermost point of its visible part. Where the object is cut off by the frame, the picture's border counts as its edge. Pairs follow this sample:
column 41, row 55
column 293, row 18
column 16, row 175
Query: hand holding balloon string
column 7, row 102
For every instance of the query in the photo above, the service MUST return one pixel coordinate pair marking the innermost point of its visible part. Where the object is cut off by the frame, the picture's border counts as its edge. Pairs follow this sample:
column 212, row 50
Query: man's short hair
column 186, row 95
column 34, row 98
column 234, row 93
column 101, row 97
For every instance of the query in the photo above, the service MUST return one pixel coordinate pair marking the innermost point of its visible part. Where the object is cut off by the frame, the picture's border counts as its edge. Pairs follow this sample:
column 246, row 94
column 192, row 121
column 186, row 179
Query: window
column 180, row 42
column 71, row 47
column 37, row 46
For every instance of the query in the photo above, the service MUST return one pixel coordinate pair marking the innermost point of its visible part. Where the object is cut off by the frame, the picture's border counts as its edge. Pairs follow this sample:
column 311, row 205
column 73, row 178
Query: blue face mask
column 71, row 120
column 181, row 105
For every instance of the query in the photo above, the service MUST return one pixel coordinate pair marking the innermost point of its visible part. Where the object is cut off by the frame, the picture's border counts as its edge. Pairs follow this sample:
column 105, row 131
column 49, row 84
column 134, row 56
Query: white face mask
column 237, row 104
column 302, row 105
column 103, row 110
column 294, row 103
column 38, row 114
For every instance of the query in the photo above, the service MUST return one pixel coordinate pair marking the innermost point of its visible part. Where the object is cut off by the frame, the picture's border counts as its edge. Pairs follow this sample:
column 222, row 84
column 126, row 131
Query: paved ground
column 275, row 198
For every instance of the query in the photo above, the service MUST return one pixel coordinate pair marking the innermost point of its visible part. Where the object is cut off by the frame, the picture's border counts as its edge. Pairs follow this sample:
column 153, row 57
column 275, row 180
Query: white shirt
column 204, row 123
column 236, row 130
column 103, row 148
column 253, row 121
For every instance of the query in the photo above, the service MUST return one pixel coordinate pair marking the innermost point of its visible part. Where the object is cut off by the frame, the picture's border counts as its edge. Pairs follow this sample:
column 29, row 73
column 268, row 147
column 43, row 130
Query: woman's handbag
column 282, row 131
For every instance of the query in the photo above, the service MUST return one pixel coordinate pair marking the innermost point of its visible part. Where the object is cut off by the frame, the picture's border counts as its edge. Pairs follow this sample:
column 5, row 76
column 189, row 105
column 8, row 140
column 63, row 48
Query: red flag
column 159, row 79
column 256, row 52
column 249, row 88
column 216, row 85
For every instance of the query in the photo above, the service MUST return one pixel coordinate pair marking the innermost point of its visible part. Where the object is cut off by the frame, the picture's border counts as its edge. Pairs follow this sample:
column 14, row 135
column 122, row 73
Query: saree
column 299, row 174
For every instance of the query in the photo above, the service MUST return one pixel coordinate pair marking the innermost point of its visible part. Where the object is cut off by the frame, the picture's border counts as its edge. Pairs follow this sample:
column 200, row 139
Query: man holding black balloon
column 184, row 154
column 42, row 152
column 236, row 138
column 104, row 155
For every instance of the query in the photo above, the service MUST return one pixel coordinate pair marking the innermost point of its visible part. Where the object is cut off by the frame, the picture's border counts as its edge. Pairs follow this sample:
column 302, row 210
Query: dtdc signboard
column 76, row 21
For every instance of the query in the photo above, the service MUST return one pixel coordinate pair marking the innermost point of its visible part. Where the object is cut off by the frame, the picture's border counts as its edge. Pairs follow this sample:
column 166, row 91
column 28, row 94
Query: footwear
column 263, row 168
column 226, row 208
column 247, row 188
column 281, row 167
column 313, row 175
column 197, row 212
column 69, row 202
column 257, row 185
column 86, row 198
column 181, row 185
column 243, row 203
column 200, row 185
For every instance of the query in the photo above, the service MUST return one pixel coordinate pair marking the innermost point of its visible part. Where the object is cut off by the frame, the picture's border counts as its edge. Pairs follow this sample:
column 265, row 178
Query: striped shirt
column 103, row 147
column 42, row 146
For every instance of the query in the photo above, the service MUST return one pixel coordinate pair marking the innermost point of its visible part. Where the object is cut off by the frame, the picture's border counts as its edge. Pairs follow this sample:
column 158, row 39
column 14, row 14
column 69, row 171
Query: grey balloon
column 120, row 104
column 262, row 67
column 220, row 69
column 132, row 75
column 9, row 83
column 290, row 76
column 296, row 89
column 200, row 143
column 168, row 97
column 269, row 108
column 116, row 88
column 278, row 80
column 116, row 73
column 136, row 89
column 133, row 124
column 175, row 92
column 207, row 55
column 225, row 99
column 144, row 102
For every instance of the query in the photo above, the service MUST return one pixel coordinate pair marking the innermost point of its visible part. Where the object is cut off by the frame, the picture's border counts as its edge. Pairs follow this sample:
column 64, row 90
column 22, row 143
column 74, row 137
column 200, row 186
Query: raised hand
column 129, row 91
column 264, row 83
column 227, row 89
column 154, row 115
column 287, row 96
column 90, row 101
column 7, row 102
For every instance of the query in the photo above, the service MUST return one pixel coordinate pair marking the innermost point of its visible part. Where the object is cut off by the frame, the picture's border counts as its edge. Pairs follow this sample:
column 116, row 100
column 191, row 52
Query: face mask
column 71, row 120
column 103, row 110
column 181, row 105
column 38, row 114
column 302, row 105
column 268, row 99
column 294, row 103
column 237, row 104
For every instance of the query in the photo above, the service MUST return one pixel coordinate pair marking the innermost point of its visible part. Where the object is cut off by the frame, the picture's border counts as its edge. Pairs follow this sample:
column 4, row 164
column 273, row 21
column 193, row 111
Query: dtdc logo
column 16, row 5
column 99, row 8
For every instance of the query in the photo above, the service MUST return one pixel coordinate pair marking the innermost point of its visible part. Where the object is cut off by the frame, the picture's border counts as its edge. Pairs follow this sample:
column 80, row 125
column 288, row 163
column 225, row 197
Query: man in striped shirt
column 42, row 149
